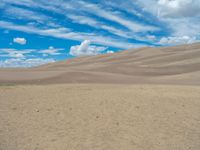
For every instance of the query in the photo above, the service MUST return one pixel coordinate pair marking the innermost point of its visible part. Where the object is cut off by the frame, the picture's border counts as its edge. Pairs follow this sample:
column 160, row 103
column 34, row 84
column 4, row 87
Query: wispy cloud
column 17, row 62
column 131, row 25
column 65, row 33
column 99, row 25
column 26, row 57
column 14, row 53
column 25, row 14
column 51, row 51
column 177, row 40
column 69, row 10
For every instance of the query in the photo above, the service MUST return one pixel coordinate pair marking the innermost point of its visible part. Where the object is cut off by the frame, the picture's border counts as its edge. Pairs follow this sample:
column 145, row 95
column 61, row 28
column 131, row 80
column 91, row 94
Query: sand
column 99, row 117
column 143, row 99
column 165, row 65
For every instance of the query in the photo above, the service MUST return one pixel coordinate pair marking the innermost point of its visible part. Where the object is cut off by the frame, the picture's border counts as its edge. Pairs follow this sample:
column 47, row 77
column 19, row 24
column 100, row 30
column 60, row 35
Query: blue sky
column 35, row 32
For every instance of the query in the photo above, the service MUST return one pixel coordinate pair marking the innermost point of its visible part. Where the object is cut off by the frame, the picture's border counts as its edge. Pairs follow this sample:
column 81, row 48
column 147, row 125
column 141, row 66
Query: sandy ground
column 99, row 117
column 141, row 99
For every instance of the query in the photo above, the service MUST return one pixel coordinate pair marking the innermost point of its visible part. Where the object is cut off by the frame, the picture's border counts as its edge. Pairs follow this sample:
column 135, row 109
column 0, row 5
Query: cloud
column 13, row 53
column 171, row 8
column 23, row 53
column 25, row 14
column 179, row 8
column 18, row 40
column 109, row 52
column 118, row 29
column 65, row 33
column 177, row 40
column 120, row 24
column 26, row 10
column 85, row 49
column 109, row 15
column 51, row 51
column 17, row 62
column 180, row 19
column 27, row 3
column 99, row 25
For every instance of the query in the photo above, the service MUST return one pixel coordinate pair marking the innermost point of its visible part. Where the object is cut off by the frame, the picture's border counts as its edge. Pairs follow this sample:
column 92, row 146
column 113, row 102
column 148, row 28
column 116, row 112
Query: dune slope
column 173, row 65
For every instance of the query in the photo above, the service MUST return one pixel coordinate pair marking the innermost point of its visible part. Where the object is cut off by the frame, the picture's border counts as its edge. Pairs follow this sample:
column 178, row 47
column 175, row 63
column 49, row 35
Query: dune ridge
column 164, row 65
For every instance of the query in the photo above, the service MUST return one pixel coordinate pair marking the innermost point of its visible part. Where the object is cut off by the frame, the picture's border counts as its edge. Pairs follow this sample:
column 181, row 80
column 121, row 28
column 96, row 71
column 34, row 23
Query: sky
column 36, row 32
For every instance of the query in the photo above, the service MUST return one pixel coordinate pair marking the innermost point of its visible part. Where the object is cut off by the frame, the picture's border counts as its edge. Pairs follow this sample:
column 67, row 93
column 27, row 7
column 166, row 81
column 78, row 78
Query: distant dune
column 172, row 65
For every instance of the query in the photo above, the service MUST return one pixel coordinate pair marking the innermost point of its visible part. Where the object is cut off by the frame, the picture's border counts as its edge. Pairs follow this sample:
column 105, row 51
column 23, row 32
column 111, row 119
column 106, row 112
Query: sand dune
column 148, row 99
column 173, row 65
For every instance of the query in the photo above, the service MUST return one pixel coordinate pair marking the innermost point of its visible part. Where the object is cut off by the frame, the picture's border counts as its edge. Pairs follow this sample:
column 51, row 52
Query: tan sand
column 99, row 117
column 145, row 99
column 166, row 65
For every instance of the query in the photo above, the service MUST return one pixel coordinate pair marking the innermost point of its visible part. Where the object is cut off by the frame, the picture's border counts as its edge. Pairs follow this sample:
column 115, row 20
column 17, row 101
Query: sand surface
column 143, row 99
column 164, row 65
column 99, row 117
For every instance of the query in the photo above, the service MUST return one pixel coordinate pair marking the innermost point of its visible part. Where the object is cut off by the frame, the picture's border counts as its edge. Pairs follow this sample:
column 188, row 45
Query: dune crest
column 172, row 65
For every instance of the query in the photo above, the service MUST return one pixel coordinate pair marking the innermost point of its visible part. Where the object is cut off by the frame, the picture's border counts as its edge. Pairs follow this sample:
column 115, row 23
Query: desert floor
column 99, row 117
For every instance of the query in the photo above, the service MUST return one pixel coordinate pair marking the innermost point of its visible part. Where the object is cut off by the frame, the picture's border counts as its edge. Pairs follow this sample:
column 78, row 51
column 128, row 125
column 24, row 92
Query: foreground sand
column 99, row 117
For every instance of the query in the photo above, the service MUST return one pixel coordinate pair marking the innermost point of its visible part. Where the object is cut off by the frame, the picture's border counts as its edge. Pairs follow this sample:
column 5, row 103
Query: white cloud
column 131, row 25
column 179, row 8
column 151, row 37
column 99, row 25
column 180, row 18
column 21, row 41
column 177, row 40
column 45, row 24
column 63, row 8
column 27, row 3
column 65, row 33
column 51, row 51
column 184, row 26
column 183, row 31
column 95, row 9
column 171, row 8
column 25, row 14
column 110, row 52
column 13, row 53
column 177, row 18
column 85, row 49
column 17, row 62
column 81, row 19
